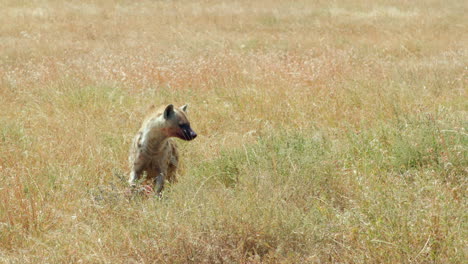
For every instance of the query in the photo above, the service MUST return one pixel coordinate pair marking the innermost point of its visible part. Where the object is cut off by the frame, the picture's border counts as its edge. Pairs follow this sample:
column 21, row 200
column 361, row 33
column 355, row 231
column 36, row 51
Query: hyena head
column 177, row 124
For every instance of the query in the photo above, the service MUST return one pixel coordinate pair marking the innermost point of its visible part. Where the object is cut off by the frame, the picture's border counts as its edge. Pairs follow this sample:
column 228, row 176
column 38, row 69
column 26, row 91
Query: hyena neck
column 152, row 139
column 156, row 143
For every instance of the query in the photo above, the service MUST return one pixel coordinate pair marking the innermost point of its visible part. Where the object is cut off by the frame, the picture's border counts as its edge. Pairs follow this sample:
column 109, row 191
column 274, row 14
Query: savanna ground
column 329, row 132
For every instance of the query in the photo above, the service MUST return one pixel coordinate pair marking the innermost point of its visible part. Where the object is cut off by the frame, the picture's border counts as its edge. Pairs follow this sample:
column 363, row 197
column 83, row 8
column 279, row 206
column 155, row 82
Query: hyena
column 152, row 149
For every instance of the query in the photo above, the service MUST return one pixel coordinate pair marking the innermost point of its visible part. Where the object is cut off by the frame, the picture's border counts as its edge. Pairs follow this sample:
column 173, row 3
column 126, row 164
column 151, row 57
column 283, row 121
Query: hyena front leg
column 138, row 166
column 137, row 161
column 159, row 183
column 134, row 176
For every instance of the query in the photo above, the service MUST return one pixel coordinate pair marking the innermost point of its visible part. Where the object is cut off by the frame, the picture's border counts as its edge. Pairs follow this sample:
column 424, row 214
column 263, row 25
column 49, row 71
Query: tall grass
column 329, row 132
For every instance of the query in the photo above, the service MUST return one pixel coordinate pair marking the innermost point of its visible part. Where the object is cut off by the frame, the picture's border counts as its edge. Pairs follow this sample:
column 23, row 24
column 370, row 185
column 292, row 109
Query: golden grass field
column 329, row 131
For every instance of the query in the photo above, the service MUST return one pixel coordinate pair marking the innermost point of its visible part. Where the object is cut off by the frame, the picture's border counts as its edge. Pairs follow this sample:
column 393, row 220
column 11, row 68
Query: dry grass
column 328, row 132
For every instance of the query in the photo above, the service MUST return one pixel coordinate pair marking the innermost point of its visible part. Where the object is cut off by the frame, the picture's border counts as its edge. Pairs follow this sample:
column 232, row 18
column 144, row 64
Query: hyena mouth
column 188, row 135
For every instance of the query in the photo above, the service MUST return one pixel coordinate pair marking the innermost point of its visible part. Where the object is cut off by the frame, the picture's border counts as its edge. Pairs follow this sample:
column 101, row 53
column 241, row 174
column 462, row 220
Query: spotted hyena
column 154, row 151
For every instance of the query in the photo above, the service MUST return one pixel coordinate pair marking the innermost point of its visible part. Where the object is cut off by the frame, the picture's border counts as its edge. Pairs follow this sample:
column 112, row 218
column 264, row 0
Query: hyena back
column 154, row 151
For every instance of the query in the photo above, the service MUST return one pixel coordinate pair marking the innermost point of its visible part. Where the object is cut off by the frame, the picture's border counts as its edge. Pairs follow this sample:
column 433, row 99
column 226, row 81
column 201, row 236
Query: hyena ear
column 168, row 111
column 184, row 108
